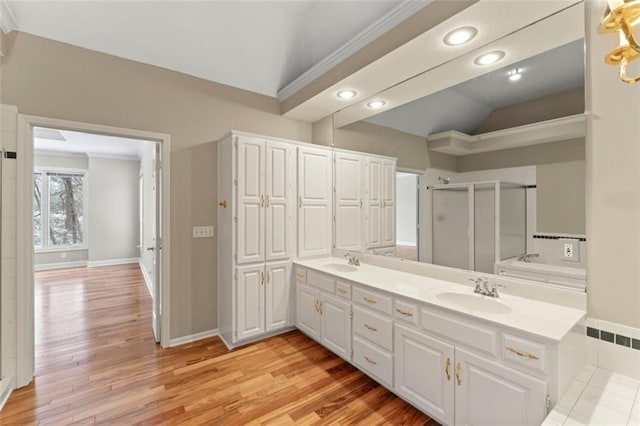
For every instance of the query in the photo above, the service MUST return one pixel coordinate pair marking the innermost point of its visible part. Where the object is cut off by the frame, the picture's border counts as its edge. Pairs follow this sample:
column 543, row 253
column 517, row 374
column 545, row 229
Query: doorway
column 74, row 219
column 408, row 202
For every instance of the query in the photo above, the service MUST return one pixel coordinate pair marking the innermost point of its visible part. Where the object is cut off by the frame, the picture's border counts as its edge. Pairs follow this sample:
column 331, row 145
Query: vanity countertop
column 545, row 320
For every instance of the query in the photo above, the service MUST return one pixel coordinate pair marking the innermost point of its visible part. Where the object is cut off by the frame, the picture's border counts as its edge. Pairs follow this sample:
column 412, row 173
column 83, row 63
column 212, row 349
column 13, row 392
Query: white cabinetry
column 256, row 223
column 381, row 205
column 314, row 202
column 349, row 199
column 324, row 316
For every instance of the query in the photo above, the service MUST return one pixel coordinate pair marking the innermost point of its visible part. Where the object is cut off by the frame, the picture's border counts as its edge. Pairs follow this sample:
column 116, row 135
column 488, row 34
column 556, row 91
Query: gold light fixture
column 621, row 16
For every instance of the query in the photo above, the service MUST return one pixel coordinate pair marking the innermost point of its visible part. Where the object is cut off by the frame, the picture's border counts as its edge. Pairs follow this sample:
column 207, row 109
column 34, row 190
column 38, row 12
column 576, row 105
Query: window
column 58, row 209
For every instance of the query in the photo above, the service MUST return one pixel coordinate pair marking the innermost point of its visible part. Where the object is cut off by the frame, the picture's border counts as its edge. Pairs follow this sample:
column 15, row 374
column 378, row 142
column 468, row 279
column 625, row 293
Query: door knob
column 223, row 204
column 151, row 248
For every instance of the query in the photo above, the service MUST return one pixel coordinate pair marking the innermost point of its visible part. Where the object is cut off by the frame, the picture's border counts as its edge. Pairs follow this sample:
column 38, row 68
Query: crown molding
column 362, row 39
column 8, row 21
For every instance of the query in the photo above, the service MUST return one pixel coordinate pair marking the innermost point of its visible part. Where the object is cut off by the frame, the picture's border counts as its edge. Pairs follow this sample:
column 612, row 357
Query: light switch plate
column 203, row 232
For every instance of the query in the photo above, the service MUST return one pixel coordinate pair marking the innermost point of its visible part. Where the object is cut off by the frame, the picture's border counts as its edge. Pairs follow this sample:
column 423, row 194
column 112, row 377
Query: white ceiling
column 60, row 142
column 259, row 46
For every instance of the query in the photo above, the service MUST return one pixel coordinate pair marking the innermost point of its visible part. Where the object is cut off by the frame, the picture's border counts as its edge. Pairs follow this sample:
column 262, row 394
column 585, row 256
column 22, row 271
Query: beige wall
column 47, row 78
column 613, row 189
column 560, row 197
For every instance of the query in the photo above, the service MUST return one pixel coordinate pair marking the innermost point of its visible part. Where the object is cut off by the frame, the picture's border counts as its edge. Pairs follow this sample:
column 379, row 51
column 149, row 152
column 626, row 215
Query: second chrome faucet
column 483, row 288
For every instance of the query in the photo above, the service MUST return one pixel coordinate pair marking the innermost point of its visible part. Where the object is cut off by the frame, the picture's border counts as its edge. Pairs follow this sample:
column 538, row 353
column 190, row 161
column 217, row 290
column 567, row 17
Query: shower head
column 444, row 180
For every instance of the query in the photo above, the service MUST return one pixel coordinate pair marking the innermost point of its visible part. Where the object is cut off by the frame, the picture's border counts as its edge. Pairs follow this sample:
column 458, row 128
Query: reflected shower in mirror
column 491, row 170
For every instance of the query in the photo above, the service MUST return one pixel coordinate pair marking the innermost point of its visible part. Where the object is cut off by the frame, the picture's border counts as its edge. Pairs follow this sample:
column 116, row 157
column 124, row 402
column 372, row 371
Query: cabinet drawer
column 405, row 311
column 373, row 326
column 523, row 352
column 374, row 361
column 373, row 300
column 321, row 281
column 482, row 337
column 301, row 274
column 343, row 290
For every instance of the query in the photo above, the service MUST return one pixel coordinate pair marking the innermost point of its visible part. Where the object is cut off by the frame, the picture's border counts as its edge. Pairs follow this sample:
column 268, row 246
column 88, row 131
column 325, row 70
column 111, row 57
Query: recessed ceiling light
column 515, row 74
column 489, row 58
column 460, row 36
column 376, row 104
column 347, row 94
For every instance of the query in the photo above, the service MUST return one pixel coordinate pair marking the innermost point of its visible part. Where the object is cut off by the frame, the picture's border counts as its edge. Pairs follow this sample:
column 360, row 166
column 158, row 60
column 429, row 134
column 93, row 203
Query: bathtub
column 539, row 269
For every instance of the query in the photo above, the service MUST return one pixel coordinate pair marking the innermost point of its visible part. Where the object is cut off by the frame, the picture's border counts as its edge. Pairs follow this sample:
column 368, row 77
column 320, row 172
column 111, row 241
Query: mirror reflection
column 503, row 190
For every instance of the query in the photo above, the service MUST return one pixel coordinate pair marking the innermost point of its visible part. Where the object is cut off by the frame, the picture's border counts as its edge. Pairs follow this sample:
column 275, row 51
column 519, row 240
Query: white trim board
column 60, row 265
column 147, row 278
column 193, row 337
column 111, row 262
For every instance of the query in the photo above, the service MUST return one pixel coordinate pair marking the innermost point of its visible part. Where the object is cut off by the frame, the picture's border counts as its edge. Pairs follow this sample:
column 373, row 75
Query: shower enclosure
column 477, row 224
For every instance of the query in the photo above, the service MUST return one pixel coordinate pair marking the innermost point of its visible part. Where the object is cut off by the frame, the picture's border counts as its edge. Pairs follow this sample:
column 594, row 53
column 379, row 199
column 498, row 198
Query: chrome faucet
column 352, row 259
column 483, row 288
column 526, row 257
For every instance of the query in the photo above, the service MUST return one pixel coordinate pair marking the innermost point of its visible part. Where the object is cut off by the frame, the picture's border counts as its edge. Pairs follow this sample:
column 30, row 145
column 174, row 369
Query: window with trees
column 58, row 209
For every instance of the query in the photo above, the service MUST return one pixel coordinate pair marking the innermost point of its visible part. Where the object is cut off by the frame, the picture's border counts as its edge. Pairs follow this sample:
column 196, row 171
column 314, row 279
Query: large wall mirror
column 491, row 161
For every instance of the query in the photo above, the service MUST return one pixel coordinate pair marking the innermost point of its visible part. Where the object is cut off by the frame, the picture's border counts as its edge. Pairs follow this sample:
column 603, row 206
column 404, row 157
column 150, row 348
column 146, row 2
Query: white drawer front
column 373, row 326
column 524, row 352
column 373, row 300
column 484, row 338
column 301, row 274
column 405, row 311
column 343, row 290
column 321, row 281
column 372, row 360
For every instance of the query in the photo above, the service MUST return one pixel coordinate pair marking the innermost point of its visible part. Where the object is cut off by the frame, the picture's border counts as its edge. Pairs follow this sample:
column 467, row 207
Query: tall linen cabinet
column 256, row 232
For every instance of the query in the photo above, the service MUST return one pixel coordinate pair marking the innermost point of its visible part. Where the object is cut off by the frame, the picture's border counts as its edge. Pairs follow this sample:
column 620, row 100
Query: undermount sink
column 474, row 302
column 340, row 267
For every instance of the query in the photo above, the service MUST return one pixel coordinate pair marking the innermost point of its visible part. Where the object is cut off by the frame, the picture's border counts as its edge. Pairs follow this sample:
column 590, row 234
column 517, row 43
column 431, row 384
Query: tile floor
column 598, row 397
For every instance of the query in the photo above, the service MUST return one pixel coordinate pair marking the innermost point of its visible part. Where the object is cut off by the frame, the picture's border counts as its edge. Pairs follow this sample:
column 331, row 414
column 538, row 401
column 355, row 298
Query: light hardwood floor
column 96, row 362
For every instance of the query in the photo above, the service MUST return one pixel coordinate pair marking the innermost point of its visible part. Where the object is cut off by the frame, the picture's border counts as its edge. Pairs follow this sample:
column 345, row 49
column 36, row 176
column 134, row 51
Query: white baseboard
column 147, row 278
column 192, row 337
column 406, row 243
column 60, row 265
column 112, row 262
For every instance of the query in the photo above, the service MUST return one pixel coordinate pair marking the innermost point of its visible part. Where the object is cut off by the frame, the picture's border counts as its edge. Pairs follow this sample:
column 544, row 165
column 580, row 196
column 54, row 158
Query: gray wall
column 113, row 209
column 561, row 197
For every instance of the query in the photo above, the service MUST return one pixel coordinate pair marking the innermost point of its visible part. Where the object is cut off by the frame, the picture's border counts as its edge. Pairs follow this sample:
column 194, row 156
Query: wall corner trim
column 193, row 337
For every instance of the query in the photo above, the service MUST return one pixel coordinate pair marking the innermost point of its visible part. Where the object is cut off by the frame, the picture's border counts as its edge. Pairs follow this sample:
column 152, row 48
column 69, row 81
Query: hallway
column 96, row 362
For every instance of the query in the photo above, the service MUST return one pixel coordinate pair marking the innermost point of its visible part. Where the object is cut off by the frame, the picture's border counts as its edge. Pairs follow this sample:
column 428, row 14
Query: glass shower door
column 452, row 227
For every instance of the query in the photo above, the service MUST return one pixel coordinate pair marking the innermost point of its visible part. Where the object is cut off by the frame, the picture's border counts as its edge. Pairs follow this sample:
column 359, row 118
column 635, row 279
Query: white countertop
column 545, row 320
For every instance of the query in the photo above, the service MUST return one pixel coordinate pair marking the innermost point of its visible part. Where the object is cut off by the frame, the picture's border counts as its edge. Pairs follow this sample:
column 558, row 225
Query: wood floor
column 97, row 363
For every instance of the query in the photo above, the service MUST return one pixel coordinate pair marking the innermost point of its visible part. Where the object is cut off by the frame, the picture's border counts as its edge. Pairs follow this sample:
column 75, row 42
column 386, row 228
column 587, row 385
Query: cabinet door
column 314, row 202
column 424, row 372
column 279, row 184
column 250, row 200
column 307, row 312
column 277, row 295
column 335, row 320
column 374, row 203
column 489, row 393
column 250, row 301
column 388, row 220
column 349, row 184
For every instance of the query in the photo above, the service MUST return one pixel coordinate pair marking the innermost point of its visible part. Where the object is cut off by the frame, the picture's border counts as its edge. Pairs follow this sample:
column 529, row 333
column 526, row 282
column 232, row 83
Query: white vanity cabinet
column 314, row 202
column 381, row 203
column 321, row 314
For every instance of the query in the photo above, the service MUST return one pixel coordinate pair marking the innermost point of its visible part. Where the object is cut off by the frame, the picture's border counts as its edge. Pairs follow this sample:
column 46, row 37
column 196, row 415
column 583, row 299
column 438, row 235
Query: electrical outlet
column 203, row 232
column 63, row 255
column 570, row 249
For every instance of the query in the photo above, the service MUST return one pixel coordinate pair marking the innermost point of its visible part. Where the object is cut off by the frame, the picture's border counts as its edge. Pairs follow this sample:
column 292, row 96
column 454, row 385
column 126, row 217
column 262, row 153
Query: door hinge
column 235, row 257
column 235, row 334
column 351, row 314
column 548, row 403
column 334, row 218
column 235, row 182
column 235, row 276
column 235, row 142
column 334, row 189
column 235, row 219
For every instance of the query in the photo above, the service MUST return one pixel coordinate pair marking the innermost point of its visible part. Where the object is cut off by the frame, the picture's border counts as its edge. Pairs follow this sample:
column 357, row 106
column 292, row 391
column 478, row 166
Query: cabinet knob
column 223, row 204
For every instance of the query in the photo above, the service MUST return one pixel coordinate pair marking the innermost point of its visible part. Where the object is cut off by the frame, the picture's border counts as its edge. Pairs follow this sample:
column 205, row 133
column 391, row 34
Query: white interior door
column 349, row 177
column 251, row 200
column 156, row 276
column 277, row 295
column 314, row 202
